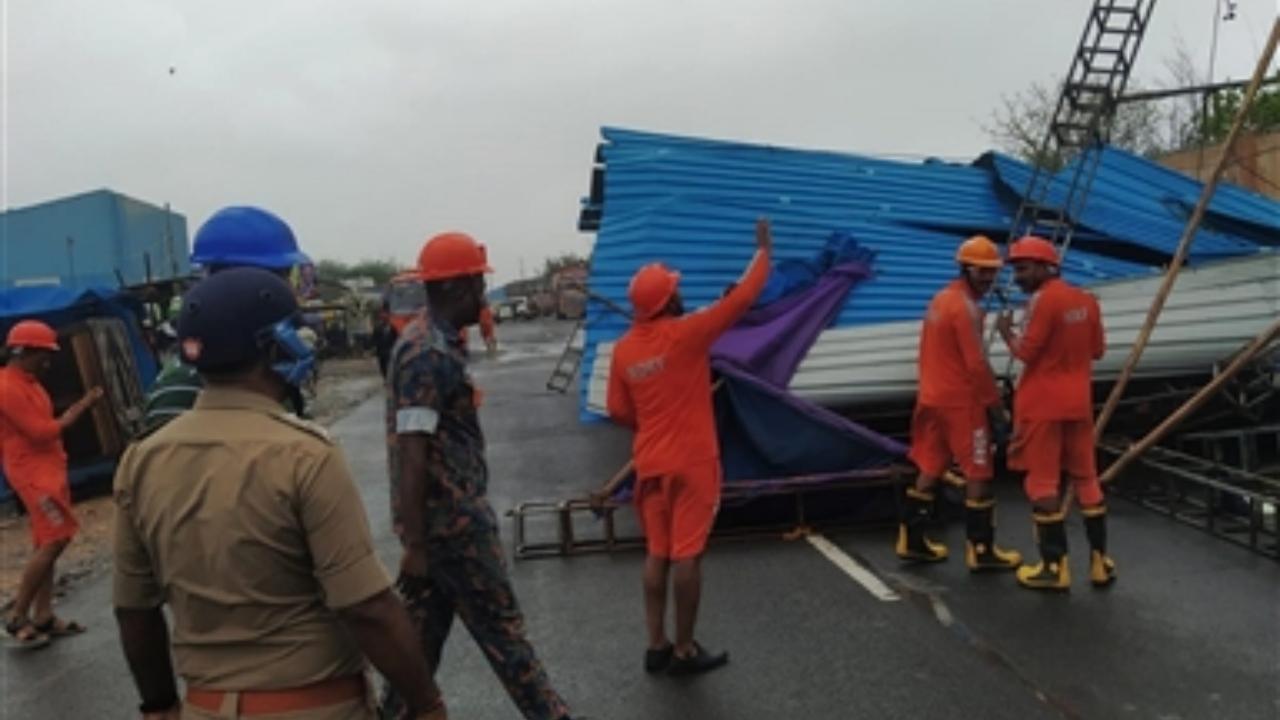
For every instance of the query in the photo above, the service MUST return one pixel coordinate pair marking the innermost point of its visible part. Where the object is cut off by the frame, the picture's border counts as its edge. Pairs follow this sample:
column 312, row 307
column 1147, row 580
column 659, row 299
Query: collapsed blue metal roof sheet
column 692, row 202
column 1138, row 209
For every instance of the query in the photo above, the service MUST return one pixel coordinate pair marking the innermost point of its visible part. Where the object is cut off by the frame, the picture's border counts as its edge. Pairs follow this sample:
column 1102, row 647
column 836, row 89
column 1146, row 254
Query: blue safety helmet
column 240, row 315
column 246, row 236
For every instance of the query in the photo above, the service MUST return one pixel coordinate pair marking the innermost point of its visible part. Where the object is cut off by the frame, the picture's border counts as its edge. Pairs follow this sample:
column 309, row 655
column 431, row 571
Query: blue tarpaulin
column 773, row 338
column 767, row 433
column 59, row 306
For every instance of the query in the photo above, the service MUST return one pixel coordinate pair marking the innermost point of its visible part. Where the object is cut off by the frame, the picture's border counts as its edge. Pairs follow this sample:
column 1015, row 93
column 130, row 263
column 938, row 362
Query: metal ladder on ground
column 566, row 368
column 1082, row 120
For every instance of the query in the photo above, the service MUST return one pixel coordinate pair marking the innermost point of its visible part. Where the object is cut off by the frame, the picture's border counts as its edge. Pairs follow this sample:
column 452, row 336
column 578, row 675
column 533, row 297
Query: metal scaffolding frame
column 1226, row 501
column 570, row 539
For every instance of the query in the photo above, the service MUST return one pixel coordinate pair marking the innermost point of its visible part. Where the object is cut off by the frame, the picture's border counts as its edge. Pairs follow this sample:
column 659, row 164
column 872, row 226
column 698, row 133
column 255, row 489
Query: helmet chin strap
column 293, row 359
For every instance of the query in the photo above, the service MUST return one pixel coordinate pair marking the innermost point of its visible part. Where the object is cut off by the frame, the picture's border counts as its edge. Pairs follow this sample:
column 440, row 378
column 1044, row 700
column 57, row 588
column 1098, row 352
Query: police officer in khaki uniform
column 247, row 523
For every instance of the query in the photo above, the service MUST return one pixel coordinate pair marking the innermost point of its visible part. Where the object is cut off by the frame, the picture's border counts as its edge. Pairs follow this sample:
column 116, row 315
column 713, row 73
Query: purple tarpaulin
column 770, row 342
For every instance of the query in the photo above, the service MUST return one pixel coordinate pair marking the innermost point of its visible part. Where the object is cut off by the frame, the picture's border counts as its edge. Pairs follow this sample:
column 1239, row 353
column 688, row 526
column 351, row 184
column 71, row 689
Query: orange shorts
column 941, row 435
column 1048, row 449
column 48, row 508
column 677, row 511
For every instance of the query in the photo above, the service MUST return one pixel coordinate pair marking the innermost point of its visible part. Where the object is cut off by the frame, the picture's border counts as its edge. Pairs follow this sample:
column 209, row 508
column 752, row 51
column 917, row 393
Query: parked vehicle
column 405, row 297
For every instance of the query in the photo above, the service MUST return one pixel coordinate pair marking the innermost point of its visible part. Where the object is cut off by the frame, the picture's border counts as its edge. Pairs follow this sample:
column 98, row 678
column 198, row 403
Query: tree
column 381, row 271
column 1151, row 128
column 1019, row 126
column 1264, row 116
column 555, row 264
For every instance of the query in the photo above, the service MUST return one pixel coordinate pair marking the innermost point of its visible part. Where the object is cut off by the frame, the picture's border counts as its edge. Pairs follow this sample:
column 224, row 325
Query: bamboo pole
column 1188, row 234
column 1194, row 402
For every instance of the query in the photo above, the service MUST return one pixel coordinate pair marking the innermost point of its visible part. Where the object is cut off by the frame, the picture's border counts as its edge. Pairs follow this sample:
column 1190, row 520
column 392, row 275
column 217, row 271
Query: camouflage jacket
column 430, row 391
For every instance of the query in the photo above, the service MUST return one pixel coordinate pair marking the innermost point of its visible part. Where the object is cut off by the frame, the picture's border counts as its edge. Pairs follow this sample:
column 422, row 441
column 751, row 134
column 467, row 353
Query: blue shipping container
column 96, row 239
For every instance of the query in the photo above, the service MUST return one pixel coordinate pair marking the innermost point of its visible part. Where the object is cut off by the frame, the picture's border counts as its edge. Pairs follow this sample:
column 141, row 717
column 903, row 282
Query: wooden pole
column 1188, row 234
column 1194, row 402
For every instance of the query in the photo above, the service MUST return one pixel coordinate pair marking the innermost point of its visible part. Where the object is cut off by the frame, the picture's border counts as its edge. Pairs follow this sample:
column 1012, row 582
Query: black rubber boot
column 981, row 552
column 1051, row 573
column 912, row 544
column 1102, row 569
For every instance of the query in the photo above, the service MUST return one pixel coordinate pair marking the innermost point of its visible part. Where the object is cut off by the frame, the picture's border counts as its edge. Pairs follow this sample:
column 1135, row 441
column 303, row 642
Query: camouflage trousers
column 467, row 577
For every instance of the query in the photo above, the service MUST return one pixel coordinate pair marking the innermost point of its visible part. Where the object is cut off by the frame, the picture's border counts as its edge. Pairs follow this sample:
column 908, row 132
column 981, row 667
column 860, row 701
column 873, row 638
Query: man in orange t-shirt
column 36, row 468
column 957, row 391
column 1053, row 412
column 660, row 385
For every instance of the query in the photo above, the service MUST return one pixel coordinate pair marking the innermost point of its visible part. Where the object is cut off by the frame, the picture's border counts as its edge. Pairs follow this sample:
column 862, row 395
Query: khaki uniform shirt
column 246, row 521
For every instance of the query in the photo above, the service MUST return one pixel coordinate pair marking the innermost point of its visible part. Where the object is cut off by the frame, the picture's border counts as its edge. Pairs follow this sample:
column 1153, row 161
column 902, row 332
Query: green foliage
column 1019, row 125
column 1264, row 116
column 555, row 264
column 381, row 271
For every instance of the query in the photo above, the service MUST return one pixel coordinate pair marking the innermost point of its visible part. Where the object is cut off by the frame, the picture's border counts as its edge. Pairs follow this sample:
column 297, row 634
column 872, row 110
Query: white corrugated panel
column 1212, row 311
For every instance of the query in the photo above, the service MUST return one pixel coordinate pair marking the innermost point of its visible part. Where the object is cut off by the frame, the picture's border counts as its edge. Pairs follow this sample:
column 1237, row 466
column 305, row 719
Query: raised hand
column 764, row 235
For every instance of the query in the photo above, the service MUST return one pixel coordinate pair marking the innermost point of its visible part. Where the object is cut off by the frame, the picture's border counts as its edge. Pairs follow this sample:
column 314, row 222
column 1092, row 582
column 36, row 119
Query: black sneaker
column 700, row 662
column 655, row 661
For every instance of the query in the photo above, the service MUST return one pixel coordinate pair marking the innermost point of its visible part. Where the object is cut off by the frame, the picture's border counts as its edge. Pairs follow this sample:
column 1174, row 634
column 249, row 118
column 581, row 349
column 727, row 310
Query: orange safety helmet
column 1030, row 247
column 452, row 255
column 651, row 289
column 979, row 251
column 32, row 334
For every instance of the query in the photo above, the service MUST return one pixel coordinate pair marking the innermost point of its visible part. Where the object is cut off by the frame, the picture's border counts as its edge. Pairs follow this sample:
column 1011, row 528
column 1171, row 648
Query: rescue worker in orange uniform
column 1053, row 412
column 35, row 465
column 660, row 386
column 950, row 423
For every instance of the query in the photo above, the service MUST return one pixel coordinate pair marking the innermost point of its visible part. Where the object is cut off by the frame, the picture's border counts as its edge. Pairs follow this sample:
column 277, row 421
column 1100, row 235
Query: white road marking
column 853, row 569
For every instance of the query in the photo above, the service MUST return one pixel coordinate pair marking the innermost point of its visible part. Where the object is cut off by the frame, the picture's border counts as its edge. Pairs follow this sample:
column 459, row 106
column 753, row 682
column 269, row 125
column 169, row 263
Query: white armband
column 417, row 420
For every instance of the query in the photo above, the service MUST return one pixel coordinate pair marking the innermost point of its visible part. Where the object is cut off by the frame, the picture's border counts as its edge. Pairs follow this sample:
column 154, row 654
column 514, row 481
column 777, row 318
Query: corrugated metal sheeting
column 1137, row 208
column 691, row 203
column 92, row 240
column 1214, row 310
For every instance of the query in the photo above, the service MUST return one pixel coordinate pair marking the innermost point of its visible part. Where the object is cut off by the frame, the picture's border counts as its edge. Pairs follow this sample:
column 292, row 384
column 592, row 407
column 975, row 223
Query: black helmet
column 231, row 318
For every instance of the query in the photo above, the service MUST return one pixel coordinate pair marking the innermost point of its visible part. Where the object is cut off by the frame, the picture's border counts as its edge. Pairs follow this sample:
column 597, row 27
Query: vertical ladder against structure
column 566, row 368
column 1082, row 119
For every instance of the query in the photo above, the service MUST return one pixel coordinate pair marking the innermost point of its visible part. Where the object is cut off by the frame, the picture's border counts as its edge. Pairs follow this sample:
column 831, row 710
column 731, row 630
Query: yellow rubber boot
column 1051, row 573
column 912, row 545
column 1102, row 569
column 981, row 552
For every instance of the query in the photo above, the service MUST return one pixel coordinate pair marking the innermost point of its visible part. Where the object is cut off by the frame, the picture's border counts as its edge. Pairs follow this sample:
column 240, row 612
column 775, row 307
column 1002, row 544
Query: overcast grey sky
column 371, row 125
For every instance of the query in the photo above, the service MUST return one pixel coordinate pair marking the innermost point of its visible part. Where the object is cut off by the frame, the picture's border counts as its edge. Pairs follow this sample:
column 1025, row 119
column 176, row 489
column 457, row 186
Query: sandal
column 56, row 627
column 699, row 662
column 656, row 661
column 24, row 635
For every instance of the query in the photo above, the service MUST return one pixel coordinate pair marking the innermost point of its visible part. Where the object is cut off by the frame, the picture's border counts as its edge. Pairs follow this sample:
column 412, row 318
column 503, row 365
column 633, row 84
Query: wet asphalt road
column 1192, row 629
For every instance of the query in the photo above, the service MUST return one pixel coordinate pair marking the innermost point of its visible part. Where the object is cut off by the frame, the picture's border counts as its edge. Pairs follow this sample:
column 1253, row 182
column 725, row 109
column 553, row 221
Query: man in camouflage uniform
column 453, row 561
